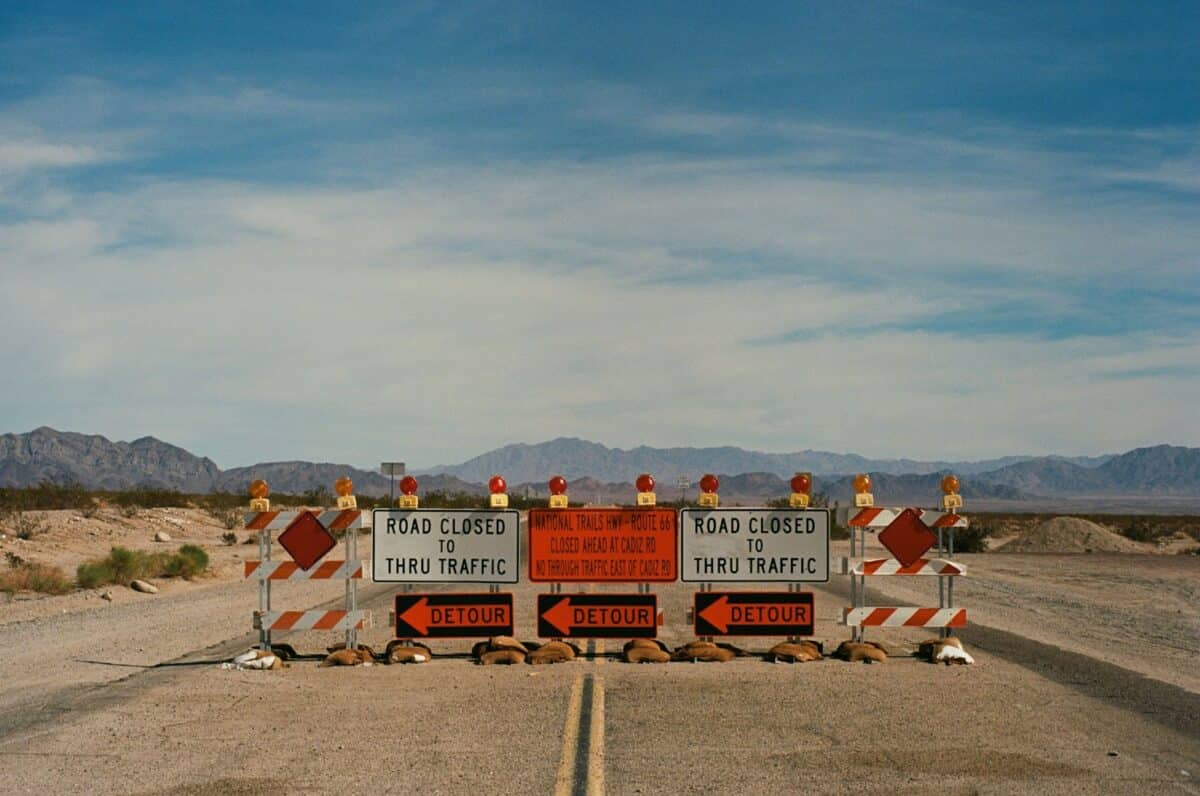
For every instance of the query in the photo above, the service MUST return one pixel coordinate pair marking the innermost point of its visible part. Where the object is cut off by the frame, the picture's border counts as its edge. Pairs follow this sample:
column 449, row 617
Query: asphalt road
column 1027, row 717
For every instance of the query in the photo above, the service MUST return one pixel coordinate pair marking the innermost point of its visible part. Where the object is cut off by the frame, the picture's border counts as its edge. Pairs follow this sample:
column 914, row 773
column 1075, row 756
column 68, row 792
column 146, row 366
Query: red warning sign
column 633, row 545
column 306, row 540
column 907, row 537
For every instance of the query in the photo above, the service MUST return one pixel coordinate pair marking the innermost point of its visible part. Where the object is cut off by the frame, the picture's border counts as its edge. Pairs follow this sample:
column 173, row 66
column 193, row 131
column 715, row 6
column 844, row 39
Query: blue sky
column 906, row 229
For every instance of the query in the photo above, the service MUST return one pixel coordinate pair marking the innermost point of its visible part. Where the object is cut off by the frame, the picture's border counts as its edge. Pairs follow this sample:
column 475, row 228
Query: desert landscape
column 1083, row 682
column 599, row 398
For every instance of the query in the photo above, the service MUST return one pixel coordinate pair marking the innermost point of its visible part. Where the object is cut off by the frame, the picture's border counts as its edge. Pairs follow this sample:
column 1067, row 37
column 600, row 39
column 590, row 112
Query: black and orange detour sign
column 754, row 613
column 597, row 615
column 633, row 545
column 443, row 615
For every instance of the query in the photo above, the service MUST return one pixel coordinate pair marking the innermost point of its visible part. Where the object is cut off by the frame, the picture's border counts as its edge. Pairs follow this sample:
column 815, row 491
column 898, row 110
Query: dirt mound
column 1071, row 535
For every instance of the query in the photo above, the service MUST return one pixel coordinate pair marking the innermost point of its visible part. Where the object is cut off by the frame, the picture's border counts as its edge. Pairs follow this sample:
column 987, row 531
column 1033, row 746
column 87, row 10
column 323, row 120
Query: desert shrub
column 971, row 540
column 24, row 575
column 123, row 565
column 148, row 497
column 129, row 510
column 92, row 574
column 231, row 520
column 229, row 538
column 189, row 562
column 89, row 510
column 1142, row 530
column 46, row 496
column 25, row 526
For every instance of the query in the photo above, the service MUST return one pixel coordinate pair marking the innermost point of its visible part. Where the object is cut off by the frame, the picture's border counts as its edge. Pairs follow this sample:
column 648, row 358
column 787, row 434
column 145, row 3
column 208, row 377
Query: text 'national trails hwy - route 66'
column 633, row 545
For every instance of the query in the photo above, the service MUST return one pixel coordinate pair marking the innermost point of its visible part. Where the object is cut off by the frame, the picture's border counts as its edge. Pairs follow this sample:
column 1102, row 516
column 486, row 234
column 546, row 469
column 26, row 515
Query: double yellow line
column 574, row 778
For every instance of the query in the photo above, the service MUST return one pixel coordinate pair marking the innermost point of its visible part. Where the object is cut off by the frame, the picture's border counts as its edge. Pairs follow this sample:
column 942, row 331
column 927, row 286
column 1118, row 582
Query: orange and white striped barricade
column 267, row 572
column 873, row 519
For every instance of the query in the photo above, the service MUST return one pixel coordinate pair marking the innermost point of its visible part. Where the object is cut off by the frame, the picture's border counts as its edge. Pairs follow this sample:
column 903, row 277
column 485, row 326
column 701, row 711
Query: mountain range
column 601, row 474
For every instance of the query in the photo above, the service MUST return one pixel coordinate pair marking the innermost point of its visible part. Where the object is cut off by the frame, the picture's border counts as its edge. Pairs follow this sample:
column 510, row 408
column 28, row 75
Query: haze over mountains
column 601, row 474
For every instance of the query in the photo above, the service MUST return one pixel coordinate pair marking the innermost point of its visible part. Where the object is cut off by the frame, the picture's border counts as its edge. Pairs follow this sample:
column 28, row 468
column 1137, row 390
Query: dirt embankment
column 1072, row 535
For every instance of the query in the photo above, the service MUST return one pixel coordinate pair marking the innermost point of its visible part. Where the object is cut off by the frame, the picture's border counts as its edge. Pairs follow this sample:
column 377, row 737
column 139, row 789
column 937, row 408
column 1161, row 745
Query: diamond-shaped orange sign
column 306, row 540
column 907, row 537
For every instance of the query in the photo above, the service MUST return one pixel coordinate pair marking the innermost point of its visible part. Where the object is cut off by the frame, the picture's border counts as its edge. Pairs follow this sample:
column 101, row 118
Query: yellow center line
column 564, row 782
column 596, row 742
column 599, row 653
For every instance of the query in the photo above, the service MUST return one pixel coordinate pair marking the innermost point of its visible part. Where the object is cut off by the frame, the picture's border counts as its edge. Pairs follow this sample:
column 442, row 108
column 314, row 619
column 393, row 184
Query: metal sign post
column 391, row 470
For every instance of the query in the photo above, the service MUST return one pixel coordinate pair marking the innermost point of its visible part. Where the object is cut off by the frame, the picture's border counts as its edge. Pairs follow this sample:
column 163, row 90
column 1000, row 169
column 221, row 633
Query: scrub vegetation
column 123, row 565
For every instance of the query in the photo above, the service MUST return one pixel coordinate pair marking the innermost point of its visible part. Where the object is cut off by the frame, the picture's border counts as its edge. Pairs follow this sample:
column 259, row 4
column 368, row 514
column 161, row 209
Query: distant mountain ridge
column 572, row 457
column 600, row 474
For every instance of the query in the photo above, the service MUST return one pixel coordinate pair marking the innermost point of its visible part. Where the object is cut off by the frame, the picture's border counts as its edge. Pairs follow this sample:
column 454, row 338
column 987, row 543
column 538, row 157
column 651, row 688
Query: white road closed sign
column 754, row 545
column 445, row 546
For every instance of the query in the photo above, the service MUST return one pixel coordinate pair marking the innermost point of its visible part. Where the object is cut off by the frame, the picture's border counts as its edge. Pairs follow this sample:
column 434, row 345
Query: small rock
column 143, row 586
column 106, row 595
column 162, row 536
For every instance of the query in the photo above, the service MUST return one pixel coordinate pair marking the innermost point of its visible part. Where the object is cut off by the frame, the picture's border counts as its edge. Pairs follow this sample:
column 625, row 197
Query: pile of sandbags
column 861, row 651
column 707, row 652
column 340, row 656
column 645, row 650
column 944, row 650
column 407, row 652
column 796, row 652
column 506, row 651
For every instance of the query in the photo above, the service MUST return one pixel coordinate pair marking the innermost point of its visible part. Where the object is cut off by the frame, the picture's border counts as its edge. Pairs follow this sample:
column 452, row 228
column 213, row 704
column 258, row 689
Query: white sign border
column 730, row 509
column 376, row 529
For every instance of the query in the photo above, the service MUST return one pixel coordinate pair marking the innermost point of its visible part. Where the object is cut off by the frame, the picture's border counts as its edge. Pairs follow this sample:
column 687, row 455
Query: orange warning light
column 951, row 500
column 345, row 488
column 258, row 495
column 862, row 489
column 497, row 485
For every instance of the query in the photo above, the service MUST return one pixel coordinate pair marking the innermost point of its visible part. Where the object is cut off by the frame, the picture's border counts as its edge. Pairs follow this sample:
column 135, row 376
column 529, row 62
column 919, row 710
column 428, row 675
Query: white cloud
column 439, row 311
column 446, row 315
column 21, row 156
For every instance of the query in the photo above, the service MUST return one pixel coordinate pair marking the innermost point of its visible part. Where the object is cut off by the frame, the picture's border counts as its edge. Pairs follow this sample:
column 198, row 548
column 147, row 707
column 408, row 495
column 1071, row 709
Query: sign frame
column 744, row 575
column 378, row 567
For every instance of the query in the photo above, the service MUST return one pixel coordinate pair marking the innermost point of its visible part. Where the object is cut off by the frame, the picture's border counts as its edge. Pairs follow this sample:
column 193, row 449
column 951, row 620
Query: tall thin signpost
column 392, row 469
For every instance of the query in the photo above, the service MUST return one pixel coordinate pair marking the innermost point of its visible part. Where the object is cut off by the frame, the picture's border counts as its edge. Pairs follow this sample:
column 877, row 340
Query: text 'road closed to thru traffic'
column 445, row 546
column 453, row 615
column 754, row 613
column 635, row 545
column 754, row 545
column 597, row 615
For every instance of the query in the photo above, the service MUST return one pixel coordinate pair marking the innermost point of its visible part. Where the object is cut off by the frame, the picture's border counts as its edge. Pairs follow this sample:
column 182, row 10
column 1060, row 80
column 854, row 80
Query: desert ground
column 1085, row 682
